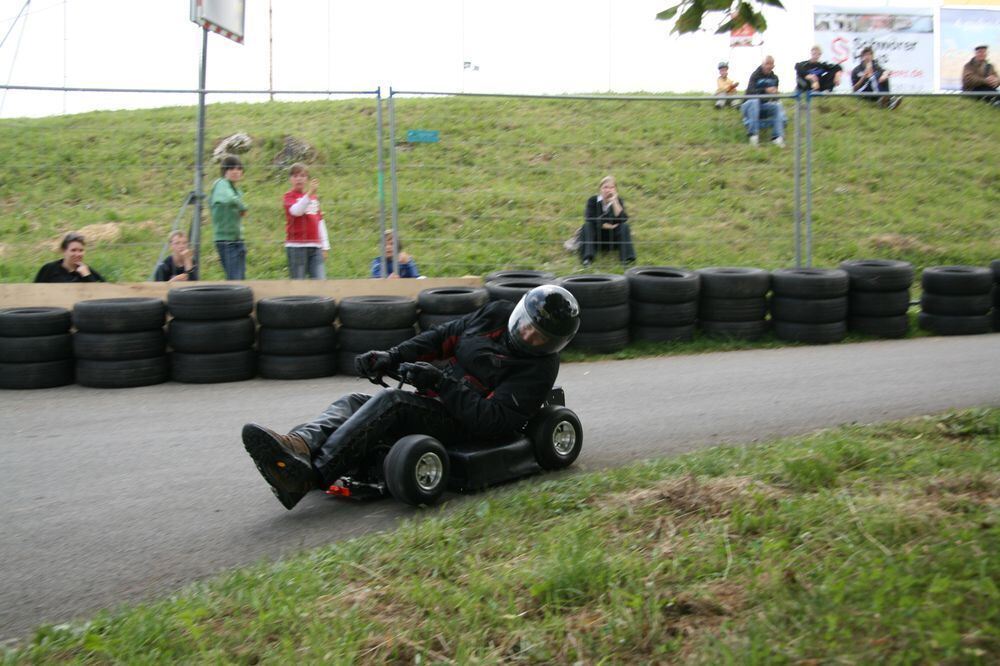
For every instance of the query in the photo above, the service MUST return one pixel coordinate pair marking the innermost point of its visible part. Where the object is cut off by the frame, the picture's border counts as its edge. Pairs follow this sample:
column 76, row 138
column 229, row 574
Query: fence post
column 199, row 160
column 809, row 199
column 798, row 180
column 393, row 178
column 381, row 176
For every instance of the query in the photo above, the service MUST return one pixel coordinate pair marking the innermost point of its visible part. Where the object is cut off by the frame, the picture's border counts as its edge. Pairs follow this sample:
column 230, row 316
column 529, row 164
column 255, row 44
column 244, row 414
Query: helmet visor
column 529, row 337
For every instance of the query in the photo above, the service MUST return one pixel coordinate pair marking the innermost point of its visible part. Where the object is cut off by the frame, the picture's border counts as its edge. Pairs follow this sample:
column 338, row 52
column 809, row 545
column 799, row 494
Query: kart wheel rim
column 564, row 438
column 429, row 471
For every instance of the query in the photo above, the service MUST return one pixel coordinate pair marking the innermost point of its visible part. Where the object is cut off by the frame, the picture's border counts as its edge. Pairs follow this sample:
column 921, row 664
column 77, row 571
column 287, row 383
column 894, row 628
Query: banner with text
column 903, row 41
column 962, row 30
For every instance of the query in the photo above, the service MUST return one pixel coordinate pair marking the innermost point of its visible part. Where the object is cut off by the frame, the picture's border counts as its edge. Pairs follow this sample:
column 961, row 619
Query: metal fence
column 505, row 183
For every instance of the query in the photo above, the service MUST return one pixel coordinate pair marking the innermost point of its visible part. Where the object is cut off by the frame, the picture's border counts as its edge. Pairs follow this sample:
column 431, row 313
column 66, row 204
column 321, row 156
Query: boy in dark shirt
column 870, row 77
column 71, row 267
column 816, row 75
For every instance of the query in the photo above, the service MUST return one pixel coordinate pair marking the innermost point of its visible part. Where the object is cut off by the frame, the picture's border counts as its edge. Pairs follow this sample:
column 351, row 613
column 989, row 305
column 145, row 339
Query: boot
column 283, row 461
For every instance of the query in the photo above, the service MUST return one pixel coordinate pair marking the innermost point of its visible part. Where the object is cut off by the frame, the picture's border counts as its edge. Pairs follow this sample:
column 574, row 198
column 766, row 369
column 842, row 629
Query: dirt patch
column 108, row 232
column 541, row 158
column 708, row 497
column 898, row 243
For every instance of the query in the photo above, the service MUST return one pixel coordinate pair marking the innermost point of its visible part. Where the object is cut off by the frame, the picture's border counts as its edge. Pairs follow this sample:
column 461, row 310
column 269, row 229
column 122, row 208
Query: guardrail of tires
column 211, row 334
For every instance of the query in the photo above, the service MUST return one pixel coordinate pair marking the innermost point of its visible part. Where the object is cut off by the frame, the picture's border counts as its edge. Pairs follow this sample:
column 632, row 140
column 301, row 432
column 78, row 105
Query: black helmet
column 544, row 320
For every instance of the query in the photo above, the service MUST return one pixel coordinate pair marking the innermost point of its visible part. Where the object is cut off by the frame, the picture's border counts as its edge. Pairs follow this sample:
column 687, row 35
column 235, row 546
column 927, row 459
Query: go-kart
column 417, row 469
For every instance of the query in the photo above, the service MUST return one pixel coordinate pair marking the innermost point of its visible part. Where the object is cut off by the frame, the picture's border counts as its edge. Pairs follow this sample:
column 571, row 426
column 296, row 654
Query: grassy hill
column 507, row 182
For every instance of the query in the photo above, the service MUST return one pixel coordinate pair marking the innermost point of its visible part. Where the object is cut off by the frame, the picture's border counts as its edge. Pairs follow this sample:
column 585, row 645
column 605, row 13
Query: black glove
column 421, row 375
column 375, row 363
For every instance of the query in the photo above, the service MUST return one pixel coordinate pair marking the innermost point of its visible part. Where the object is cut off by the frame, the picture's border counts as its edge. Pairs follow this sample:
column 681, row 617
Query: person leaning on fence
column 407, row 267
column 179, row 264
column 228, row 211
column 306, row 242
column 979, row 75
column 869, row 77
column 758, row 112
column 71, row 267
column 725, row 87
column 815, row 75
column 605, row 225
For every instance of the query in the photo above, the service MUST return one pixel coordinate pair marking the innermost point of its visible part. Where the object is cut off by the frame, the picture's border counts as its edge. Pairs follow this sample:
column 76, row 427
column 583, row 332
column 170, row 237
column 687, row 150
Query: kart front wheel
column 416, row 470
column 557, row 437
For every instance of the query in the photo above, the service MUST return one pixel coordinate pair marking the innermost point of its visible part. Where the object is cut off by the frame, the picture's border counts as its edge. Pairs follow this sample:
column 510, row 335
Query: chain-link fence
column 505, row 182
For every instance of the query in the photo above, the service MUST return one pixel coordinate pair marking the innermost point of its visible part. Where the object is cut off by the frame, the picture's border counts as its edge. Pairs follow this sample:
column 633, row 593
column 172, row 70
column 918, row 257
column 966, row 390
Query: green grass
column 860, row 544
column 507, row 183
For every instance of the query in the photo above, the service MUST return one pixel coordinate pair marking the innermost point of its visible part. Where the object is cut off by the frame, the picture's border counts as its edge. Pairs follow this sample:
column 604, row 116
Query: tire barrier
column 373, row 322
column 995, row 267
column 957, row 300
column 36, row 348
column 809, row 304
column 119, row 342
column 512, row 289
column 496, row 276
column 211, row 334
column 442, row 304
column 604, row 311
column 732, row 302
column 296, row 339
column 663, row 302
column 879, row 297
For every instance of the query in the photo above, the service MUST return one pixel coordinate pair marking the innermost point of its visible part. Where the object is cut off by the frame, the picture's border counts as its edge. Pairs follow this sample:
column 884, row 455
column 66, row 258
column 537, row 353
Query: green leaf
column 772, row 3
column 690, row 20
column 667, row 14
column 717, row 5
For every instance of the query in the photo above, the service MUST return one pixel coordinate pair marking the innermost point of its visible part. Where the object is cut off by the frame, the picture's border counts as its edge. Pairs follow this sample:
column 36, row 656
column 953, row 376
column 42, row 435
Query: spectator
column 756, row 111
column 179, row 266
column 228, row 210
column 407, row 267
column 979, row 75
column 71, row 267
column 306, row 242
column 816, row 75
column 605, row 225
column 725, row 87
column 870, row 77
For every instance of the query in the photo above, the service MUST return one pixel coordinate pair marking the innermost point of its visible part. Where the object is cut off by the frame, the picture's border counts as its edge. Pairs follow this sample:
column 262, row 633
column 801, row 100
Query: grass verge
column 856, row 545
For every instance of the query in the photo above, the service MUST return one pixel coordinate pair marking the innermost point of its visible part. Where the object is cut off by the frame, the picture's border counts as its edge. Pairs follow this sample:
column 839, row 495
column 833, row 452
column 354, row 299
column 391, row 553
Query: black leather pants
column 341, row 436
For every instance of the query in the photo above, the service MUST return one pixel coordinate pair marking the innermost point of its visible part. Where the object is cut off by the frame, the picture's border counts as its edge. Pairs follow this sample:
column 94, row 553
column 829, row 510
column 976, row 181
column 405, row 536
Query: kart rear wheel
column 557, row 437
column 416, row 470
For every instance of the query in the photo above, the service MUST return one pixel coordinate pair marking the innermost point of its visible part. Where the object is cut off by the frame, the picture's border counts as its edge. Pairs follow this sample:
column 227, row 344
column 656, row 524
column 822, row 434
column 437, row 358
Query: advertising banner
column 962, row 30
column 903, row 41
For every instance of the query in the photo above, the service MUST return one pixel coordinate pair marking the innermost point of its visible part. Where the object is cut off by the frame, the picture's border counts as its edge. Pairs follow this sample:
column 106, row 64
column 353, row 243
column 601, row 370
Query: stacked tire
column 443, row 304
column 732, row 302
column 956, row 300
column 119, row 342
column 36, row 350
column 512, row 285
column 663, row 303
column 296, row 339
column 604, row 311
column 995, row 267
column 373, row 323
column 211, row 334
column 879, row 297
column 809, row 304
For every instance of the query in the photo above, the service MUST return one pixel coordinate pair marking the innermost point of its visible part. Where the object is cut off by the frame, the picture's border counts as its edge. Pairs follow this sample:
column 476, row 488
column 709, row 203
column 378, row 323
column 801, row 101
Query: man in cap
column 725, row 87
column 501, row 362
column 869, row 77
column 979, row 75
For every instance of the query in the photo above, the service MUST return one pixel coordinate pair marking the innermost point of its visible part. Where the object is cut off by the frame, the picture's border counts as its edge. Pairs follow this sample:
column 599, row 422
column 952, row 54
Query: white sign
column 222, row 16
column 903, row 41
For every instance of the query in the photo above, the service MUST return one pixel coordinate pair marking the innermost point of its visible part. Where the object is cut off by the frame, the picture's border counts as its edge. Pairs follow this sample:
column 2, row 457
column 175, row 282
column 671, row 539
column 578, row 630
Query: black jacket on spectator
column 759, row 82
column 167, row 269
column 54, row 272
column 824, row 70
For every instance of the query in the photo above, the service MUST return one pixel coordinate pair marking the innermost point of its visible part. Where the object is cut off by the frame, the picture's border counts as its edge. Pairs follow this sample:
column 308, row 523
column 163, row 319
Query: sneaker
column 754, row 139
column 779, row 141
column 894, row 102
column 283, row 461
column 587, row 262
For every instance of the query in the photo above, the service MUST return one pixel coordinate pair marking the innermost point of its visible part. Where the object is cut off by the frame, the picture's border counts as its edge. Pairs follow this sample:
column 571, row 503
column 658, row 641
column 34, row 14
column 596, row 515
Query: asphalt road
column 111, row 496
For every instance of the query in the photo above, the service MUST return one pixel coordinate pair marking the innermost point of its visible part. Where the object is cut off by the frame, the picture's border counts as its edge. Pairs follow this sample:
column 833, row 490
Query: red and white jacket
column 304, row 224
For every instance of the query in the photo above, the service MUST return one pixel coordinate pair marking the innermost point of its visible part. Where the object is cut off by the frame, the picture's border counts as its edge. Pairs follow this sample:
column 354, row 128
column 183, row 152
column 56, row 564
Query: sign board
column 962, row 30
column 742, row 36
column 903, row 41
column 224, row 17
column 422, row 136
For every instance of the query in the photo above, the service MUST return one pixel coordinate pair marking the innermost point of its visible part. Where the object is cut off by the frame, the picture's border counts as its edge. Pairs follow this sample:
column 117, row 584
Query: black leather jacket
column 487, row 386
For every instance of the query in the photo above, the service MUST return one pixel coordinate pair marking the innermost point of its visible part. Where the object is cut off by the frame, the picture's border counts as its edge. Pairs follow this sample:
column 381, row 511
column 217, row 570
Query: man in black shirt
column 758, row 112
column 501, row 363
column 71, row 267
column 179, row 266
column 869, row 77
column 816, row 75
